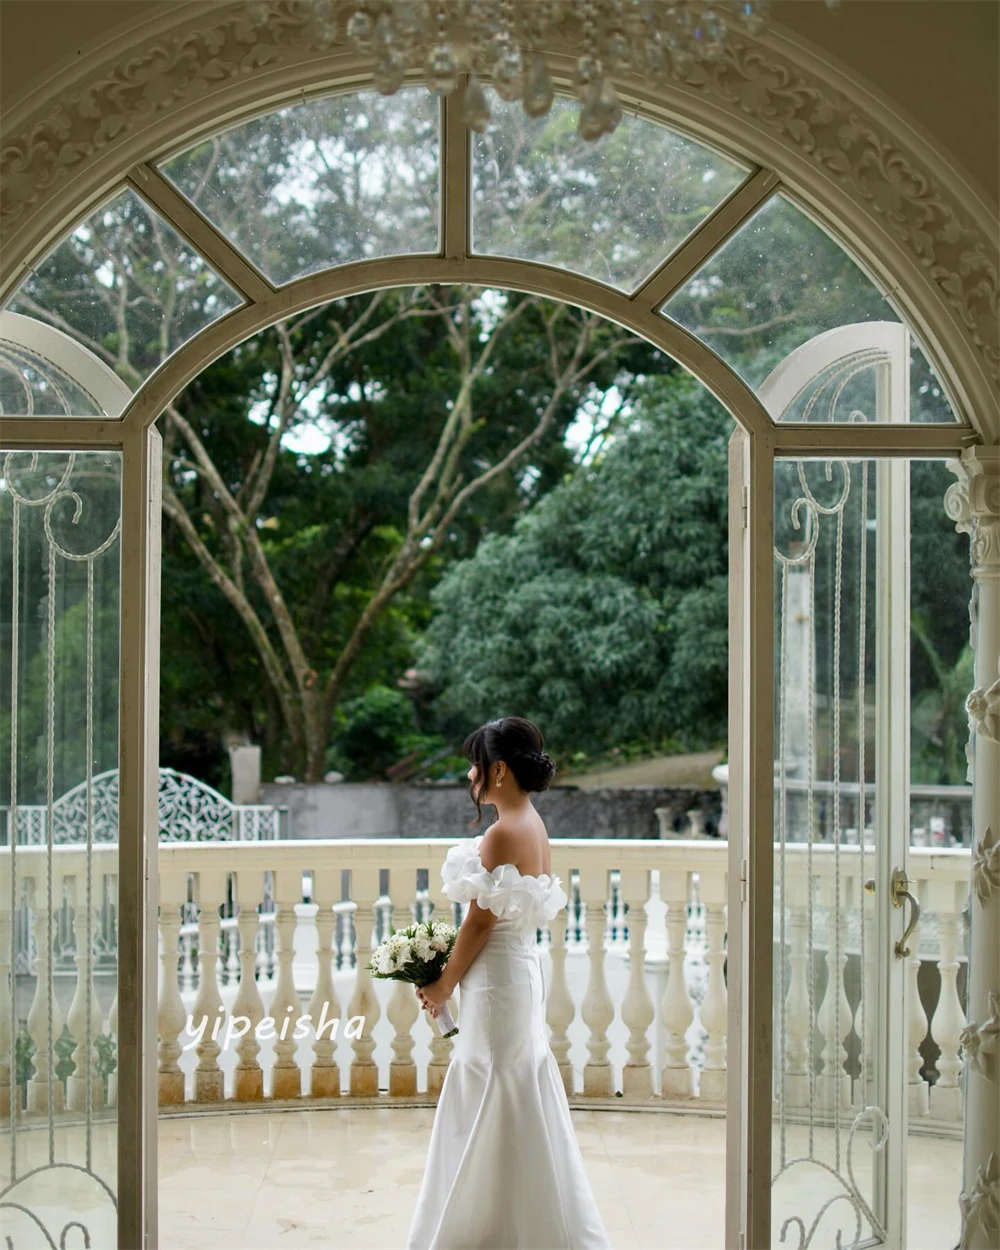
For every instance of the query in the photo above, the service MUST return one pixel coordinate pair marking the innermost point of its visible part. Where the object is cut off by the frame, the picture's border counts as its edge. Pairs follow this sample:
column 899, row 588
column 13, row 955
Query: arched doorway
column 262, row 300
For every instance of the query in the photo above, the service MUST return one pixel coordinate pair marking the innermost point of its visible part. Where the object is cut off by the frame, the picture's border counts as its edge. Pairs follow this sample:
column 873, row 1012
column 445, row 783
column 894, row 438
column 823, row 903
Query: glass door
column 836, row 885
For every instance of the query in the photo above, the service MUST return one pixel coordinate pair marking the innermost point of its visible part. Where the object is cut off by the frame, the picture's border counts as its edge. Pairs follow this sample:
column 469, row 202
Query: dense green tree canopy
column 603, row 614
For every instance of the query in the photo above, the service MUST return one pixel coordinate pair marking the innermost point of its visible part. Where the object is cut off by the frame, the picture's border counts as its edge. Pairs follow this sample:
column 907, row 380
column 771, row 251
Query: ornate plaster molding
column 984, row 708
column 981, row 1207
column 986, row 865
column 973, row 504
column 980, row 1042
column 766, row 99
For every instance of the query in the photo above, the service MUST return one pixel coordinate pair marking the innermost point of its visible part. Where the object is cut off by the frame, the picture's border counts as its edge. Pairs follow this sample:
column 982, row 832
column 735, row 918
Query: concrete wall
column 348, row 810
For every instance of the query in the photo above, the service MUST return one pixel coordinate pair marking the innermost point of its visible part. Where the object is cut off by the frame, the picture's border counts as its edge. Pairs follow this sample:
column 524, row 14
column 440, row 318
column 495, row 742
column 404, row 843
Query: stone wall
column 347, row 810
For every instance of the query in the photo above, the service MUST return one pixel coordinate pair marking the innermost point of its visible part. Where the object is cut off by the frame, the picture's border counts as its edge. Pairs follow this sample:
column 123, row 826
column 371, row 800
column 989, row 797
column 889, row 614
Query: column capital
column 973, row 503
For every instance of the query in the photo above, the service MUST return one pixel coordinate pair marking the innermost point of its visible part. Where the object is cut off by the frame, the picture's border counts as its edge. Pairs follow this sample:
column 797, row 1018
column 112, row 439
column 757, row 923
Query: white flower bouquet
column 418, row 955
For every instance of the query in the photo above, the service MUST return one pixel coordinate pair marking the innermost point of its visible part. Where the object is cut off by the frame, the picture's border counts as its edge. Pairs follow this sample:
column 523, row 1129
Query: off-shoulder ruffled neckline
column 525, row 876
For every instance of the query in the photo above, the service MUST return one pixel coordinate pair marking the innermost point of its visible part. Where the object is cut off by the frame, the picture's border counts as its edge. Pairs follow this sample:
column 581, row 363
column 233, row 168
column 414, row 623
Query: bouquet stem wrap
column 446, row 1022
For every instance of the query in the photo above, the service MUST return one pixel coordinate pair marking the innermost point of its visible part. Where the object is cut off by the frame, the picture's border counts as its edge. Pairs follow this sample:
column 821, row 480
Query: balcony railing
column 636, row 973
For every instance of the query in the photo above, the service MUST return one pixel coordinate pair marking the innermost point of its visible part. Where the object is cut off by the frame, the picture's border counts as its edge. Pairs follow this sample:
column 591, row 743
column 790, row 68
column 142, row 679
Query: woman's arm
column 474, row 930
column 472, row 935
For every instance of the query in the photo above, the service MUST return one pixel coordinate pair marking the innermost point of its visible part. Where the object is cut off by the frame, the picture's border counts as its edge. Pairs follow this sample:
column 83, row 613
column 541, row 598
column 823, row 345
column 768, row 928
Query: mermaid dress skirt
column 504, row 1168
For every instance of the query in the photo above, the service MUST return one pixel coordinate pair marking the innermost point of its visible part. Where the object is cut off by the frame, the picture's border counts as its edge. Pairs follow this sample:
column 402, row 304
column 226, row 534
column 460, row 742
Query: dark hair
column 519, row 744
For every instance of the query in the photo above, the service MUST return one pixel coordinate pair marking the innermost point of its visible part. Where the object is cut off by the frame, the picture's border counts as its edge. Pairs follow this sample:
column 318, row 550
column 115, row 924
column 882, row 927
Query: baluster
column 916, row 1030
column 286, row 1077
column 188, row 976
column 798, row 1022
column 638, row 1011
column 441, row 1047
column 402, row 1011
column 834, row 1019
column 39, row 1089
column 598, row 1008
column 7, row 946
column 559, row 1006
column 111, row 886
column 171, row 1017
column 869, row 989
column 944, row 898
column 364, row 1069
column 84, row 994
column 113, row 1033
column 714, row 1009
column 677, row 1009
column 324, row 1006
column 248, row 1082
column 208, row 1006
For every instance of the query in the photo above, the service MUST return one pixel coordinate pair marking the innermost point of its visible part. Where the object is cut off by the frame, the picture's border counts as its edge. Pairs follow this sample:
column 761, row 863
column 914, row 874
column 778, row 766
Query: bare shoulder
column 523, row 844
column 501, row 844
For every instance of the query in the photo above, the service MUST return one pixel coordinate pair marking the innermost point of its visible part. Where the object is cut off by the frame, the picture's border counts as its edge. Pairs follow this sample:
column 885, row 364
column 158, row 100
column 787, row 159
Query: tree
column 224, row 521
column 603, row 614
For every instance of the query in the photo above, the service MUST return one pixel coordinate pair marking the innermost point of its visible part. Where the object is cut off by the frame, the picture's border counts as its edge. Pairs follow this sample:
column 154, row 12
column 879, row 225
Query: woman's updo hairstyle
column 518, row 743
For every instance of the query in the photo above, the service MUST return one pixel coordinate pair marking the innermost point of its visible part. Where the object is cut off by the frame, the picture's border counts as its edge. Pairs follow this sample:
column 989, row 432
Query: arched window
column 704, row 253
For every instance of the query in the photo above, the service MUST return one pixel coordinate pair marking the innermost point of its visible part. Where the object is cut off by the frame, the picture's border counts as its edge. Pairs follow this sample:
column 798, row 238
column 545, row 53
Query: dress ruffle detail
column 504, row 890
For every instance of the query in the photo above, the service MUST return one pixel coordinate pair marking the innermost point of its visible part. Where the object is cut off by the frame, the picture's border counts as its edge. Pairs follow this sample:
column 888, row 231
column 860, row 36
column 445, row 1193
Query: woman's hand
column 434, row 996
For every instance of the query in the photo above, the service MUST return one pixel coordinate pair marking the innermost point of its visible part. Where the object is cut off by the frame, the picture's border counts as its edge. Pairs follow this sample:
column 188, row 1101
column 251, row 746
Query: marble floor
column 349, row 1178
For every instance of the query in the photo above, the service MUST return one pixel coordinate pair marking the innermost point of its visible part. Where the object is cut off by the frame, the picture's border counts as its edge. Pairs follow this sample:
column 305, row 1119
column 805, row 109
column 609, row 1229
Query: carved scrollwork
column 986, row 865
column 199, row 58
column 984, row 708
column 981, row 1207
column 980, row 1041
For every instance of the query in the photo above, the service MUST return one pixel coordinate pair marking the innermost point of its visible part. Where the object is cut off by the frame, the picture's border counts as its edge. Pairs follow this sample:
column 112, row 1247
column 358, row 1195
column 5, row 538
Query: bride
column 504, row 1169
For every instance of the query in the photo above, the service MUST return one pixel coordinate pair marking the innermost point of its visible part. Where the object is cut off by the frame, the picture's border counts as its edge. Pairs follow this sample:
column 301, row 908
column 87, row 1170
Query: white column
column 973, row 502
column 364, row 1069
column 39, row 1091
column 402, row 1011
column 637, row 1008
column 285, row 1007
column 916, row 1031
column 248, row 1079
column 677, row 1008
column 942, row 898
column 834, row 1019
column 208, row 1007
column 170, row 1006
column 798, row 1039
column 559, row 1006
column 714, row 1010
column 598, row 1009
column 84, row 1001
column 441, row 1047
column 324, row 1006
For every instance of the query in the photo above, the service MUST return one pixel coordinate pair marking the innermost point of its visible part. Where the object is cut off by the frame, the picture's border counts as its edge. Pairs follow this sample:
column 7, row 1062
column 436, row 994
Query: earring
column 499, row 780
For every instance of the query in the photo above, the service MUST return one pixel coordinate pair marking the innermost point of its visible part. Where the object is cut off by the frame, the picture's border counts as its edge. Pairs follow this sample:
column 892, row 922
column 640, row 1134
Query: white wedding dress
column 504, row 1169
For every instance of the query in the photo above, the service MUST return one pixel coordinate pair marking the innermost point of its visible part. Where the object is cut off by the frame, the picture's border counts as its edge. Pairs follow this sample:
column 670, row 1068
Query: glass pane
column 829, row 1110
column 779, row 282
column 31, row 386
column 59, row 616
column 868, row 571
column 340, row 179
column 611, row 210
column 127, row 287
column 940, row 833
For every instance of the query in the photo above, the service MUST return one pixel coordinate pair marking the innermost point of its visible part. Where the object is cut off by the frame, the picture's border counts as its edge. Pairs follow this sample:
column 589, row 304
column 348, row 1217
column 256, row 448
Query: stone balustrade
column 635, row 972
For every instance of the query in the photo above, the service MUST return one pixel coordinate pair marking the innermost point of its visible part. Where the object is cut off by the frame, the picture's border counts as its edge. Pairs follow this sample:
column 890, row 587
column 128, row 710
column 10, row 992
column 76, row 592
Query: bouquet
column 418, row 955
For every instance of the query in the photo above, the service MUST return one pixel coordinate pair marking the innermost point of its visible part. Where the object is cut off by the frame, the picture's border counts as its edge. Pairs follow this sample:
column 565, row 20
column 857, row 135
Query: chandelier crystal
column 499, row 42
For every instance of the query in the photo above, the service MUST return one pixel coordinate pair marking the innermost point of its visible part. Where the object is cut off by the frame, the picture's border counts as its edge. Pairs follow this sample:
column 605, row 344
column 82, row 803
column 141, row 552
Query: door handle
column 898, row 891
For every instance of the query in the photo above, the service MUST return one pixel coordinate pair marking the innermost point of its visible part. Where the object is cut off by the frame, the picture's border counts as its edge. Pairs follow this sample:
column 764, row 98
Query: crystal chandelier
column 501, row 40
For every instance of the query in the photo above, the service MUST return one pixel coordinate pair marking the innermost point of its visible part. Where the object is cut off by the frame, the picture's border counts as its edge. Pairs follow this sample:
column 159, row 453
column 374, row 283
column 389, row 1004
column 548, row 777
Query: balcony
column 640, row 1041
